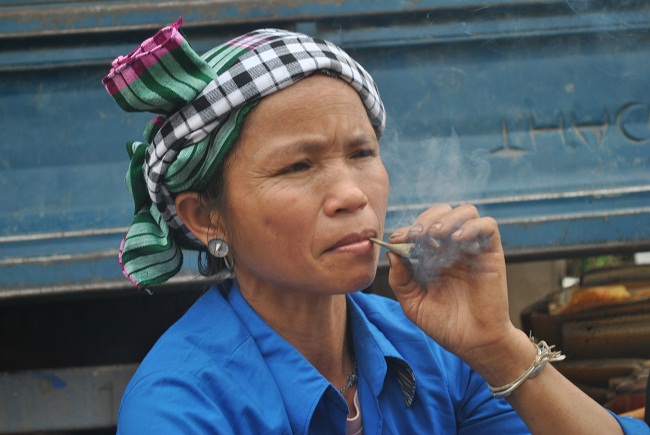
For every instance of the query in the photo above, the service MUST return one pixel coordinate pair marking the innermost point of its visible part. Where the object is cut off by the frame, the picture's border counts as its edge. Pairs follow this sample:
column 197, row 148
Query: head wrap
column 201, row 102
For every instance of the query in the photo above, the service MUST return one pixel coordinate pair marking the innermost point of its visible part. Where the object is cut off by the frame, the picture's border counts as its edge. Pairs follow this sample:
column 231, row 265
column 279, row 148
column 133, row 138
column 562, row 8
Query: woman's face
column 305, row 189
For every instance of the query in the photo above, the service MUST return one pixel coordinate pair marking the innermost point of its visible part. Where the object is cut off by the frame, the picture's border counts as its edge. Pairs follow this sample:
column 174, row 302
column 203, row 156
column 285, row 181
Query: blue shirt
column 222, row 369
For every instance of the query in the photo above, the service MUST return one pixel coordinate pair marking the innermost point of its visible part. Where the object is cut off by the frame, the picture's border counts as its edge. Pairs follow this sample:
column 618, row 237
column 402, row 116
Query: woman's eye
column 364, row 153
column 297, row 167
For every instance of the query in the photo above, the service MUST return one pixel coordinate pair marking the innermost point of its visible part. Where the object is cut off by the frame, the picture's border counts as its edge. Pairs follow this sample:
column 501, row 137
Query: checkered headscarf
column 201, row 102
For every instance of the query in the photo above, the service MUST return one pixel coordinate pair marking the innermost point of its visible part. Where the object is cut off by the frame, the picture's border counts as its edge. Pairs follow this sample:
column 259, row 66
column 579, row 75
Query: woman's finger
column 477, row 235
column 444, row 225
column 421, row 225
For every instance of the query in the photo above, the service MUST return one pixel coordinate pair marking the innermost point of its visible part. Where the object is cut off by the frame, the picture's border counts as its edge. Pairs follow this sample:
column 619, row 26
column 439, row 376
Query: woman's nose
column 345, row 192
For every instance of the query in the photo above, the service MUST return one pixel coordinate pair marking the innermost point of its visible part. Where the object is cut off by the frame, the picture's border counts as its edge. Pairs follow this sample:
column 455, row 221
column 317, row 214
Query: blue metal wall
column 537, row 111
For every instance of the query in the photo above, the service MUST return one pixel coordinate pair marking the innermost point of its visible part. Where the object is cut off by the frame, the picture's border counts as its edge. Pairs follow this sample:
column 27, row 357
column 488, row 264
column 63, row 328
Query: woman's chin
column 357, row 281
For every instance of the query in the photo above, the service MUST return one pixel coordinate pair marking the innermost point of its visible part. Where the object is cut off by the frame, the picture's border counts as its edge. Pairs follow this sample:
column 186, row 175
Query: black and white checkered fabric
column 277, row 60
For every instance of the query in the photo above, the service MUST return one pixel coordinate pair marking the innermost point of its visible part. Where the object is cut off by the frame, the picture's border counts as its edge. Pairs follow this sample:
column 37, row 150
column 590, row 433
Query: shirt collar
column 376, row 355
column 303, row 386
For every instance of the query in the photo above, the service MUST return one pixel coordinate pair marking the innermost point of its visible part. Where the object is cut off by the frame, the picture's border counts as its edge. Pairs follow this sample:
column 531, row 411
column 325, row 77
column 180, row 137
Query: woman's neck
column 316, row 325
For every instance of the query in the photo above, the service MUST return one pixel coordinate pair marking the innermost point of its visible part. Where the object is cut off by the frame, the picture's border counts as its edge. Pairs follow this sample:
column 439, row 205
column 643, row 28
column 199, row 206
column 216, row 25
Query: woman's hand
column 458, row 292
column 460, row 300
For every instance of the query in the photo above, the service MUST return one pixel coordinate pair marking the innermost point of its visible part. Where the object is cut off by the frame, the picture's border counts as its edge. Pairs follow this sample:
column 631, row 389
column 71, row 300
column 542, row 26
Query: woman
column 267, row 157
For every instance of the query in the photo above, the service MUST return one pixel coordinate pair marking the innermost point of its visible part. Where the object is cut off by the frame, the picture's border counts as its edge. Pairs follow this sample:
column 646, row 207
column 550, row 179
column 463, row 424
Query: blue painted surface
column 55, row 16
column 536, row 111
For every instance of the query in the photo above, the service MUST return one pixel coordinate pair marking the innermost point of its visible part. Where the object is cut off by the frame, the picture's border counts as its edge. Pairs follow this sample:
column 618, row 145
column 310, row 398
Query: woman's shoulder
column 206, row 336
column 205, row 358
column 199, row 396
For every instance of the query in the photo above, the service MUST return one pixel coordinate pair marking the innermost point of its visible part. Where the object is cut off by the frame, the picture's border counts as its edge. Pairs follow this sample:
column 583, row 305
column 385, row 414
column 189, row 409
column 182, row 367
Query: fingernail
column 437, row 225
column 457, row 233
column 396, row 234
column 417, row 228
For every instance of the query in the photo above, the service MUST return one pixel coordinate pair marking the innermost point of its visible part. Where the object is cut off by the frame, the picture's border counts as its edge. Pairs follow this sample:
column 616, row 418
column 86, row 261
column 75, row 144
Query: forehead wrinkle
column 308, row 146
column 311, row 144
column 285, row 138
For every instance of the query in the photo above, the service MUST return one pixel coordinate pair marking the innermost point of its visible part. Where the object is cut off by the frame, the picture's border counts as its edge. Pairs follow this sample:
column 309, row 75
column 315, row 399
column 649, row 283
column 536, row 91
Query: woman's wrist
column 545, row 354
column 506, row 360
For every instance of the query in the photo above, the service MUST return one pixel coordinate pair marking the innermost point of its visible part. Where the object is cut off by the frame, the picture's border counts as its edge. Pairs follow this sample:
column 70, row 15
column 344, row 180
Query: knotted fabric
column 201, row 102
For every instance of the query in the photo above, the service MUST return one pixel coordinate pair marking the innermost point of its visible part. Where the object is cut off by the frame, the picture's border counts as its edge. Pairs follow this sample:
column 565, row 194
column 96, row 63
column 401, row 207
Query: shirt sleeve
column 480, row 413
column 632, row 426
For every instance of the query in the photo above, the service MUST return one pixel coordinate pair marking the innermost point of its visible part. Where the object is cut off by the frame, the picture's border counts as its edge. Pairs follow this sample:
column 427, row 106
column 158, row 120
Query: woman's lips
column 357, row 243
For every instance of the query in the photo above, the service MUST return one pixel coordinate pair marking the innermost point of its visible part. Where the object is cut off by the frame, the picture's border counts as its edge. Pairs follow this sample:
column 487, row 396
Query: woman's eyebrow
column 315, row 145
column 362, row 139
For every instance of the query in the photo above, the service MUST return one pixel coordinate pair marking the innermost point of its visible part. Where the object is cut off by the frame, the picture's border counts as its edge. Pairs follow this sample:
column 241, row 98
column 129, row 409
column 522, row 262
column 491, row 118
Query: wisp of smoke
column 433, row 170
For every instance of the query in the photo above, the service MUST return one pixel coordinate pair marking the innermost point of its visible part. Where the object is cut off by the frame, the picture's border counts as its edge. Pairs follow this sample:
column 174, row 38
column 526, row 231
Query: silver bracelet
column 545, row 354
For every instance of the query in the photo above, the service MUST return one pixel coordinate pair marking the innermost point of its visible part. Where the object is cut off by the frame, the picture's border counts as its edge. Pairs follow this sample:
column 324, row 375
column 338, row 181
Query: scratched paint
column 48, row 381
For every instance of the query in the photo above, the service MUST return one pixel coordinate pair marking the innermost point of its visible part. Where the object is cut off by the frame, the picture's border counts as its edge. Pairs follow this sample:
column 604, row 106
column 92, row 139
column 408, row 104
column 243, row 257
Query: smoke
column 427, row 171
column 432, row 170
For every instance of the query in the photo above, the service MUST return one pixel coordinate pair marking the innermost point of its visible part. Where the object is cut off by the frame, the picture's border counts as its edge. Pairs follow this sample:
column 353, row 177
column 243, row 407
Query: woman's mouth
column 357, row 243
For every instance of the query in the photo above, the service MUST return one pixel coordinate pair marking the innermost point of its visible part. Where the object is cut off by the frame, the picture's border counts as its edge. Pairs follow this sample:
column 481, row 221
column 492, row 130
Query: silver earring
column 219, row 248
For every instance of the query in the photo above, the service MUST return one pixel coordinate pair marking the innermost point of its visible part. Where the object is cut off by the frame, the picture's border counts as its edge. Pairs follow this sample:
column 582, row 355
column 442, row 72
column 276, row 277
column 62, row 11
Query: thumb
column 401, row 279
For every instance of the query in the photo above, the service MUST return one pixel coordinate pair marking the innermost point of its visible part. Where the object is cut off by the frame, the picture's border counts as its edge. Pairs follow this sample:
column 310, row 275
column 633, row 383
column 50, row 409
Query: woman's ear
column 188, row 207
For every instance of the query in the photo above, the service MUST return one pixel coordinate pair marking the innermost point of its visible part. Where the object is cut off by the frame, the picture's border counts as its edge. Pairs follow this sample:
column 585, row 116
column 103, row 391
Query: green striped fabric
column 161, row 76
